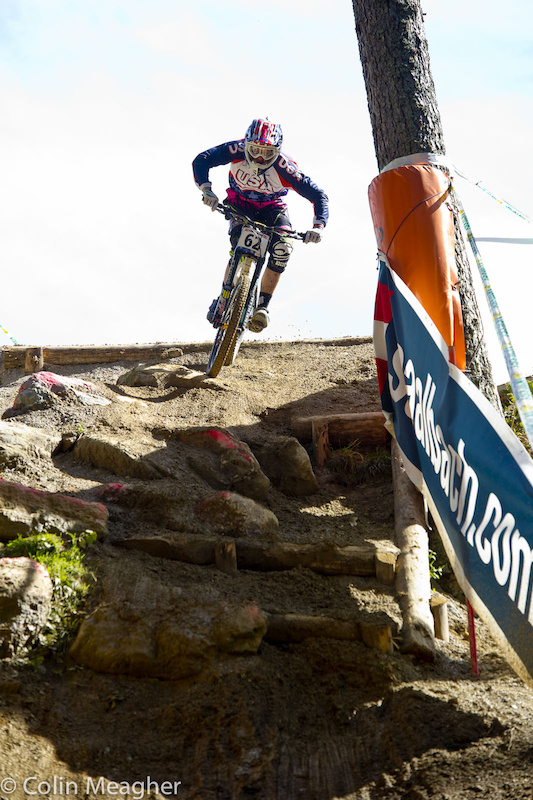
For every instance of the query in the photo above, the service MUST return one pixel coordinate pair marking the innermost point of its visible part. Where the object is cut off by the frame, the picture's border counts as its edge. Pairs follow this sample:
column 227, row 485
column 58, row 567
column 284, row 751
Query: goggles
column 257, row 150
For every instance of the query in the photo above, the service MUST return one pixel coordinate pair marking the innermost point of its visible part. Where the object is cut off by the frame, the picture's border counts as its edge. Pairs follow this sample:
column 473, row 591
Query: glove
column 209, row 198
column 313, row 236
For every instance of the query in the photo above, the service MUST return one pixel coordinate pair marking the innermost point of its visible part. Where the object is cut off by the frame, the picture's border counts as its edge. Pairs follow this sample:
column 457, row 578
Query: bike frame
column 238, row 299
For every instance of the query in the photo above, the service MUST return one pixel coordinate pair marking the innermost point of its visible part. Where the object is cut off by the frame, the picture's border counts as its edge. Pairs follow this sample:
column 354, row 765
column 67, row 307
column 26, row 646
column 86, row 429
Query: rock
column 167, row 375
column 44, row 389
column 21, row 443
column 166, row 503
column 141, row 375
column 25, row 600
column 116, row 456
column 224, row 461
column 233, row 515
column 185, row 378
column 287, row 464
column 151, row 630
column 25, row 511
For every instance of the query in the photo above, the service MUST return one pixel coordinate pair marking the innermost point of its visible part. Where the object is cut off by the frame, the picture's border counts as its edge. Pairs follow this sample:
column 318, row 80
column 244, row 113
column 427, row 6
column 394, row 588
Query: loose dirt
column 321, row 719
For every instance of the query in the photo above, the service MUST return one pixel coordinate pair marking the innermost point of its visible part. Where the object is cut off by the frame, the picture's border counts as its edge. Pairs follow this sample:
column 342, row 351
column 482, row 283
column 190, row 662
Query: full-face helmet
column 262, row 144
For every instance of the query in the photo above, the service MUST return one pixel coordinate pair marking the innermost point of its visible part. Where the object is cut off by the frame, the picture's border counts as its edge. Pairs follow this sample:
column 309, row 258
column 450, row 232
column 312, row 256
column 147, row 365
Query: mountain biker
column 260, row 176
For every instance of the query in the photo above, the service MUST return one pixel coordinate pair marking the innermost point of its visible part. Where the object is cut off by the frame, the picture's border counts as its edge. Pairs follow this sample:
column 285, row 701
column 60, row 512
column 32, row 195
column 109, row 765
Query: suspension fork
column 255, row 280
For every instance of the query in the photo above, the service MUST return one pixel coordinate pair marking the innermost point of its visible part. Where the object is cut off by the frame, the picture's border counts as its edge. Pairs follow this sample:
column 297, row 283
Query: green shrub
column 512, row 417
column 71, row 580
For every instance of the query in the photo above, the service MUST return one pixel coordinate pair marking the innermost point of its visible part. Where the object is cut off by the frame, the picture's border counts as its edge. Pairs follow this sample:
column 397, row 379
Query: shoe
column 212, row 311
column 259, row 320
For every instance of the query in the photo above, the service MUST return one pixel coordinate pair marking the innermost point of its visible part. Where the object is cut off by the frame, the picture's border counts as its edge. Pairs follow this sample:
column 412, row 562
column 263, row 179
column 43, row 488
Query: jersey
column 269, row 186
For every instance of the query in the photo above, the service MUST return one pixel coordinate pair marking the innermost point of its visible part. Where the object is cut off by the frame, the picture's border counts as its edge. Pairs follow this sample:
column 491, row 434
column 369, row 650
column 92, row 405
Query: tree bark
column 401, row 94
column 406, row 120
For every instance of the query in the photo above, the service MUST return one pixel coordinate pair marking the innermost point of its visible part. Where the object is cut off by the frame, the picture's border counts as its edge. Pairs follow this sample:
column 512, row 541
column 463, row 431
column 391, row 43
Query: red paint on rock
column 224, row 439
column 40, row 493
column 55, row 383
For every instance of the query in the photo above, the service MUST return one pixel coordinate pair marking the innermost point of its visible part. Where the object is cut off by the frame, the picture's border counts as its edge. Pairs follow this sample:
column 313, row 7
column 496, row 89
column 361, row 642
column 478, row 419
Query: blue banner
column 476, row 476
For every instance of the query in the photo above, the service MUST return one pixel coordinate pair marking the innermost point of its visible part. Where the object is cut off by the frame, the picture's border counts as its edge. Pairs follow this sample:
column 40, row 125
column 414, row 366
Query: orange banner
column 413, row 224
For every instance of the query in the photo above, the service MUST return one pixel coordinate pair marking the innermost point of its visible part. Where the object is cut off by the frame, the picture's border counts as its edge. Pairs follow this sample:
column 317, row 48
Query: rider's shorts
column 272, row 214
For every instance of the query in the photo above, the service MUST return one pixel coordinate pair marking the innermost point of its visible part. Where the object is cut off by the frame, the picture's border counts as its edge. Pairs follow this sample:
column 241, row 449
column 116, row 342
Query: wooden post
column 378, row 636
column 439, row 609
column 226, row 557
column 386, row 566
column 34, row 360
column 320, row 434
column 413, row 583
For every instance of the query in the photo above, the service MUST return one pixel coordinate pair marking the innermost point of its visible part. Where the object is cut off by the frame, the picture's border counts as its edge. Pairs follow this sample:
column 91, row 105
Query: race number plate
column 256, row 243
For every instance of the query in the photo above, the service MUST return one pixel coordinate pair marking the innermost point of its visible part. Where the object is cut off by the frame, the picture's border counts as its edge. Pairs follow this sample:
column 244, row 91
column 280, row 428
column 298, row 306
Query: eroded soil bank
column 320, row 719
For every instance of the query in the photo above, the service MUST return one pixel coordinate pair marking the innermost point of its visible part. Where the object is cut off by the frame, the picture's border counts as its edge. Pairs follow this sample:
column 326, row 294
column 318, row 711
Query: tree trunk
column 405, row 120
column 401, row 95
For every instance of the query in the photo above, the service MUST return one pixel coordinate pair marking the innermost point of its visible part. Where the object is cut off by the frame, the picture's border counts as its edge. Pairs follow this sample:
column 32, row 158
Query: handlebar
column 232, row 213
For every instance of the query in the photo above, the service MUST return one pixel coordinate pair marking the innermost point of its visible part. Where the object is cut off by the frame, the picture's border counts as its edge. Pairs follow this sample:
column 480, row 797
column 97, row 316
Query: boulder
column 25, row 600
column 287, row 464
column 119, row 457
column 21, row 443
column 224, row 461
column 164, row 376
column 166, row 503
column 45, row 389
column 151, row 630
column 24, row 511
column 233, row 515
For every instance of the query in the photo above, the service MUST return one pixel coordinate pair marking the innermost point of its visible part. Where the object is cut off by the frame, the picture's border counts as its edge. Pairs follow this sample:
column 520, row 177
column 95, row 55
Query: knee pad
column 279, row 255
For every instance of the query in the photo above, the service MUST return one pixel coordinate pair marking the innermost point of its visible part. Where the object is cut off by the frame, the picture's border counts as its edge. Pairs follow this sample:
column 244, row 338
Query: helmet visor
column 258, row 151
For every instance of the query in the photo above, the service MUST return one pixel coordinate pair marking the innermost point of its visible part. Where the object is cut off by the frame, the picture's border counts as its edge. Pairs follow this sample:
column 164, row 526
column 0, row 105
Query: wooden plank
column 108, row 354
column 287, row 628
column 293, row 628
column 15, row 357
column 323, row 558
column 366, row 428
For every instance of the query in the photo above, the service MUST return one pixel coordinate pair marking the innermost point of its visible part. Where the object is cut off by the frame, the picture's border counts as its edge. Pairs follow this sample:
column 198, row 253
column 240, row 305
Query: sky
column 105, row 103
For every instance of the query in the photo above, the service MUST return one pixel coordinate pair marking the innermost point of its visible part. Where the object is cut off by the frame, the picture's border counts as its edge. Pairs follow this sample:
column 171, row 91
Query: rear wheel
column 224, row 347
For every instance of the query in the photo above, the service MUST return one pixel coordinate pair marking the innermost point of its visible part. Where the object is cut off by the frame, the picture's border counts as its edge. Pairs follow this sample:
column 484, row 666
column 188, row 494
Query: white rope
column 442, row 161
column 519, row 384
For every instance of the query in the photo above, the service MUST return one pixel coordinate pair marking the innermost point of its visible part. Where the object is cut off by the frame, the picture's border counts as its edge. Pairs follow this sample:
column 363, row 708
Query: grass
column 512, row 417
column 71, row 580
column 353, row 467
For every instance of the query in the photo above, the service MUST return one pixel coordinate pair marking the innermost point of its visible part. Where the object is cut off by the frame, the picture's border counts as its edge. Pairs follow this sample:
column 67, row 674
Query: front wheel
column 228, row 332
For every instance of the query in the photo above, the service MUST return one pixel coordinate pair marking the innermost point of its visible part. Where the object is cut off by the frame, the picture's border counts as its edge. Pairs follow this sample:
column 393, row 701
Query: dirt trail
column 320, row 719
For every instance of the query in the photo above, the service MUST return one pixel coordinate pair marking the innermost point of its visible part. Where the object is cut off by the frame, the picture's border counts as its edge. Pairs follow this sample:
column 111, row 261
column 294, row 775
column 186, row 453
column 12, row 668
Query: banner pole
column 472, row 637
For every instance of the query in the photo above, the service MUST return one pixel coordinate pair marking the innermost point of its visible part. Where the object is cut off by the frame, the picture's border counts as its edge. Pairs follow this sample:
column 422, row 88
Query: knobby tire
column 226, row 339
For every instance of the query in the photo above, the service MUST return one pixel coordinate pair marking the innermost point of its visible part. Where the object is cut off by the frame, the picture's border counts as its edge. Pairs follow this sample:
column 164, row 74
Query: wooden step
column 325, row 558
column 367, row 429
column 294, row 628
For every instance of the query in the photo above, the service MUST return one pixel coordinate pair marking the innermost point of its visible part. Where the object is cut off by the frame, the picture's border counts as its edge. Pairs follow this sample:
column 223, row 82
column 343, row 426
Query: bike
column 238, row 299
